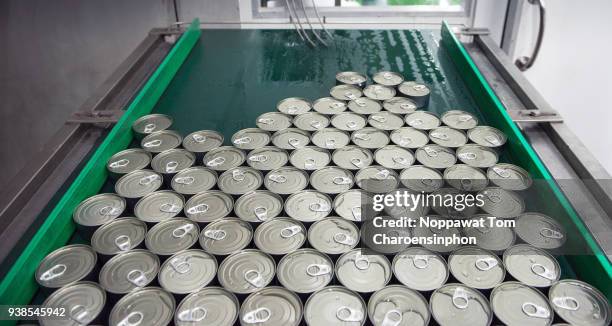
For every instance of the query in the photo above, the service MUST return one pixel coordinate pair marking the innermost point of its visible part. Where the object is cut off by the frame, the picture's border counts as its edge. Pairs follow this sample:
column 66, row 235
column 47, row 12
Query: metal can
column 420, row 178
column 417, row 92
column 439, row 232
column 202, row 141
column 128, row 160
column 457, row 304
column 579, row 303
column 458, row 119
column 459, row 209
column 345, row 92
column 385, row 120
column 226, row 236
column 137, row 184
column 476, row 267
column 98, row 210
column 394, row 157
column 293, row 106
column 540, row 231
column 280, row 236
column 351, row 78
column 171, row 236
column 273, row 121
column 172, row 161
column 370, row 138
column 120, row 235
column 420, row 269
column 400, row 105
column 348, row 204
column 509, row 177
column 308, row 206
column 187, row 272
column 363, row 273
column 335, row 305
column 66, row 265
column 194, row 180
column 291, row 138
column 150, row 306
column 423, row 120
column 329, row 106
column 436, row 156
column 250, row 138
column 305, row 271
column 487, row 136
column 332, row 180
column 399, row 306
column 310, row 121
column 448, row 137
column 286, row 180
column 477, row 156
column 159, row 206
column 352, row 157
column 151, row 123
column 333, row 235
column 240, row 180
column 532, row 266
column 465, row 177
column 224, row 158
column 160, row 141
column 377, row 179
column 209, row 206
column 267, row 158
column 310, row 158
column 379, row 92
column 258, row 206
column 84, row 303
column 490, row 236
column 246, row 271
column 409, row 137
column 128, row 271
column 388, row 78
column 515, row 303
column 330, row 138
column 271, row 306
column 364, row 105
column 348, row 121
column 501, row 203
column 209, row 306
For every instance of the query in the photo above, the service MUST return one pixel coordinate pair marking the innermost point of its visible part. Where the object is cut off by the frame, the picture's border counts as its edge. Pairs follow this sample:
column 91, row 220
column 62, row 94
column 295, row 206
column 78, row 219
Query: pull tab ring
column 532, row 310
column 420, row 261
column 128, row 320
column 278, row 178
column 145, row 181
column 254, row 278
column 349, row 314
column 149, row 127
column 342, row 180
column 242, row 140
column 198, row 138
column 315, row 270
column 152, row 143
column 550, row 233
column 485, row 264
column 259, row 315
column 502, row 172
column 343, row 238
column 184, row 180
column 119, row 164
column 198, row 209
column 171, row 166
column 393, row 317
column 258, row 158
column 460, row 298
column 362, row 262
column 319, row 207
column 216, row 161
column 137, row 277
column 182, row 231
column 290, row 231
column 567, row 303
column 193, row 315
column 53, row 272
column 543, row 271
column 215, row 234
column 123, row 242
column 180, row 265
column 261, row 213
column 169, row 208
column 238, row 175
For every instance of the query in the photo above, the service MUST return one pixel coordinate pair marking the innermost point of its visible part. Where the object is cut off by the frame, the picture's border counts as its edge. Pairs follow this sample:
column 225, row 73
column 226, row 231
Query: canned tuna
column 310, row 158
column 345, row 92
column 66, row 265
column 421, row 178
column 291, row 138
column 377, row 179
column 127, row 161
column 226, row 236
column 120, row 235
column 240, row 180
column 280, row 236
column 286, row 180
column 399, row 306
column 540, row 231
column 348, row 121
column 273, row 121
column 394, row 157
column 246, row 271
column 333, row 235
column 352, row 157
column 187, row 272
column 329, row 106
column 385, row 120
column 502, row 203
column 209, row 206
column 579, row 303
column 224, row 158
column 194, row 180
column 370, row 138
column 388, row 78
column 400, row 105
column 417, row 92
column 305, row 271
column 487, row 136
column 465, row 177
column 457, row 304
column 332, row 180
column 458, row 119
column 448, row 137
column 171, row 236
column 420, row 269
column 515, row 303
column 129, row 271
column 150, row 306
column 436, row 156
column 293, row 106
column 351, row 78
column 422, row 120
column 330, row 138
column 476, row 268
column 137, row 184
column 409, row 137
column 308, row 206
column 200, row 142
column 509, row 177
column 271, row 306
column 83, row 302
column 335, row 306
column 209, row 306
column 364, row 105
column 491, row 236
column 160, row 141
column 250, row 138
column 267, row 158
column 348, row 204
column 310, row 121
column 151, row 123
column 258, row 206
column 172, row 161
column 477, row 156
column 159, row 206
column 532, row 266
column 98, row 210
column 439, row 232
column 379, row 92
column 363, row 273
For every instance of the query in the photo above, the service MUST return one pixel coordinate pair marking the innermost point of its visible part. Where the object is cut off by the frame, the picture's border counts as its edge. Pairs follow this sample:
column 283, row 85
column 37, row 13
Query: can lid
column 267, row 158
column 364, row 105
column 370, row 138
column 291, row 138
column 66, row 265
column 286, row 180
column 398, row 305
column 457, row 304
column 334, row 305
column 171, row 236
column 477, row 156
column 128, row 160
column 305, row 271
column 349, row 204
column 379, row 92
column 502, row 203
column 487, row 136
column 139, row 183
column 280, row 236
column 440, row 232
column 420, row 269
column 194, row 180
column 149, row 306
column 476, row 267
column 158, row 206
column 187, row 271
column 348, row 121
column 540, row 231
column 436, row 156
column 515, row 303
column 579, row 303
column 532, row 266
column 273, row 121
column 413, row 89
column 258, row 206
column 351, row 78
column 83, row 302
column 246, row 271
column 128, row 271
column 394, row 157
column 458, row 119
column 333, row 235
column 345, row 92
column 224, row 158
column 509, row 177
column 172, row 161
column 226, row 236
column 449, row 137
column 421, row 178
column 329, row 105
column 330, row 138
column 210, row 306
column 465, row 177
column 385, row 120
column 120, row 235
column 400, row 105
column 352, row 157
column 250, row 138
column 491, row 237
column 240, row 180
column 363, row 272
column 293, row 106
column 377, row 179
column 310, row 158
column 160, row 141
column 388, row 78
column 151, row 123
column 271, row 306
column 332, row 180
column 209, row 206
column 459, row 209
column 99, row 209
column 308, row 206
column 409, row 137
column 422, row 120
column 202, row 141
column 310, row 121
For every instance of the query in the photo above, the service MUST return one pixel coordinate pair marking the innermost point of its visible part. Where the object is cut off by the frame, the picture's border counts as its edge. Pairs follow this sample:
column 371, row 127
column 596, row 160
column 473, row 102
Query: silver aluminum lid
column 66, row 265
column 150, row 306
column 226, row 236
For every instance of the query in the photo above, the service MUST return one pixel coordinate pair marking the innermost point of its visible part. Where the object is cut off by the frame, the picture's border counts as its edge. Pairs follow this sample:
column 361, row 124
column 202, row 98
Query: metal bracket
column 534, row 116
column 96, row 117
